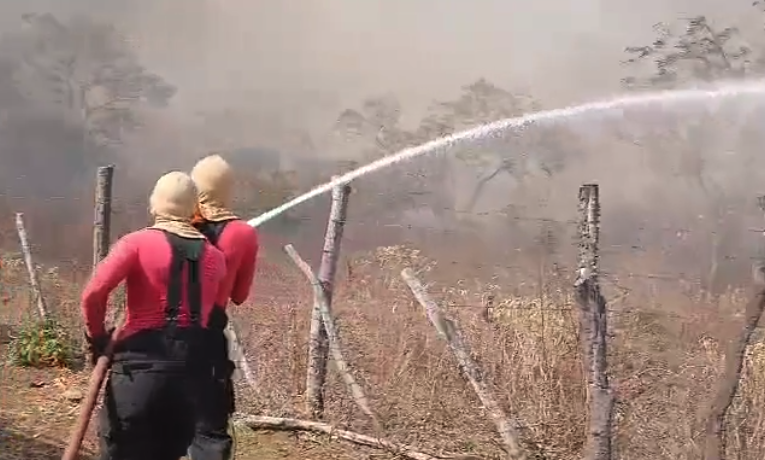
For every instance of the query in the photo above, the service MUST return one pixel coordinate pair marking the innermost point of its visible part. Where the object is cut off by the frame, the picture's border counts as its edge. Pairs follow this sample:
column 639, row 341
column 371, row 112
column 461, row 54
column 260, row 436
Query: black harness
column 189, row 252
column 223, row 366
column 173, row 344
column 212, row 231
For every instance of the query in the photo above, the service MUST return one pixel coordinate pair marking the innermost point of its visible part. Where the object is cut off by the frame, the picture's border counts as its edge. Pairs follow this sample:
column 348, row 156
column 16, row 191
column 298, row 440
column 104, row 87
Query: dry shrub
column 42, row 344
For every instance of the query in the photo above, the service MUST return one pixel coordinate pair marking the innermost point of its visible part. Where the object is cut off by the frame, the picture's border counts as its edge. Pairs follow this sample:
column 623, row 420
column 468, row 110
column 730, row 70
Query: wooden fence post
column 318, row 352
column 34, row 281
column 102, row 219
column 593, row 327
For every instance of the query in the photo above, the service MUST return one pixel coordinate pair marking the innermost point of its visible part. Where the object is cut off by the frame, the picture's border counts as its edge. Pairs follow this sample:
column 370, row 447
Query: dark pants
column 212, row 440
column 150, row 404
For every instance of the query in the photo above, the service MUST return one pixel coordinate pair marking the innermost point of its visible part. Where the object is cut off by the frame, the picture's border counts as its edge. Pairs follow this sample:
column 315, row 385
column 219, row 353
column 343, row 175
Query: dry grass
column 664, row 360
column 665, row 356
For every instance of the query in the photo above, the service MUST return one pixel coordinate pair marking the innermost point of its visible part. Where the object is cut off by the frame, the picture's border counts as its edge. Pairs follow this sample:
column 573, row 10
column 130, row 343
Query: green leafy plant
column 43, row 344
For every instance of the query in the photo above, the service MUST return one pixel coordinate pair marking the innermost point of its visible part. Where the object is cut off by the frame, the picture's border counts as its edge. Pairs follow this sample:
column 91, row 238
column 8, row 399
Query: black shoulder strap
column 185, row 251
column 212, row 230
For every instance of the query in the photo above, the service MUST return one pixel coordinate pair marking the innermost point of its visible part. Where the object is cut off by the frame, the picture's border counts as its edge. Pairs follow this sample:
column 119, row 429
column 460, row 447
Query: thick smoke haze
column 301, row 63
column 276, row 74
column 306, row 61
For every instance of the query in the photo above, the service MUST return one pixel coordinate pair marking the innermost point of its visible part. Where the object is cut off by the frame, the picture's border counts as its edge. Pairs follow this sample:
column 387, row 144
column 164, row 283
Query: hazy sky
column 307, row 60
column 340, row 51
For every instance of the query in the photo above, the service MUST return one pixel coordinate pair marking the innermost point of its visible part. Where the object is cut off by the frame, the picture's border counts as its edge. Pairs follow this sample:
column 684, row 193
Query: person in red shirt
column 239, row 243
column 172, row 275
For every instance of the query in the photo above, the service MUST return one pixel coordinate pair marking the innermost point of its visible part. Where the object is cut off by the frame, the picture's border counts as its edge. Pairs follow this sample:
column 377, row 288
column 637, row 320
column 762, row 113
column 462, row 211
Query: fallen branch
column 449, row 331
column 334, row 340
column 291, row 424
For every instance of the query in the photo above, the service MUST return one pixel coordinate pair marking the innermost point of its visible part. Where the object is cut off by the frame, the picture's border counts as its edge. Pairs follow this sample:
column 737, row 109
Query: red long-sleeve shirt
column 142, row 259
column 239, row 243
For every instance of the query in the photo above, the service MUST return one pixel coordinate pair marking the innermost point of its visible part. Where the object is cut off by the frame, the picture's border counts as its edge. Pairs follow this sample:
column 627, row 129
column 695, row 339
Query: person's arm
column 107, row 275
column 246, row 272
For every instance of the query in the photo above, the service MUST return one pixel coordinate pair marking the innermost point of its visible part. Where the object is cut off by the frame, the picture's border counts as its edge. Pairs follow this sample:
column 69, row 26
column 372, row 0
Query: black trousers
column 148, row 412
column 151, row 397
column 212, row 440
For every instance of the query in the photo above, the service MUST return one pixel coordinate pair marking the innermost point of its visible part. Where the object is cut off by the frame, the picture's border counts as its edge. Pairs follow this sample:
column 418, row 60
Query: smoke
column 328, row 55
column 298, row 64
column 275, row 74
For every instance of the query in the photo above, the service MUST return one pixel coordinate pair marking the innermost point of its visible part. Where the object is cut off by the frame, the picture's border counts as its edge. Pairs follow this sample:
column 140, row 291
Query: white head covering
column 214, row 179
column 172, row 204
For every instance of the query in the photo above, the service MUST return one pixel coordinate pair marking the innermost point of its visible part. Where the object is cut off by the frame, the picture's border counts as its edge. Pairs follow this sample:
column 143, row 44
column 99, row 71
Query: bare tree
column 700, row 52
column 376, row 128
column 687, row 147
column 88, row 71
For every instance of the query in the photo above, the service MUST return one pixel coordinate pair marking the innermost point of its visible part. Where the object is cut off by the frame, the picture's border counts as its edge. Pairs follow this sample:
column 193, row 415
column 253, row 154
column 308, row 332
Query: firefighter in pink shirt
column 239, row 243
column 172, row 275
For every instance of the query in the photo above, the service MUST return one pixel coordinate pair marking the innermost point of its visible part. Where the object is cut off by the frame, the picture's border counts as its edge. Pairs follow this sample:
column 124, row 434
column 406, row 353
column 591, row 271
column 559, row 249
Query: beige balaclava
column 214, row 179
column 172, row 204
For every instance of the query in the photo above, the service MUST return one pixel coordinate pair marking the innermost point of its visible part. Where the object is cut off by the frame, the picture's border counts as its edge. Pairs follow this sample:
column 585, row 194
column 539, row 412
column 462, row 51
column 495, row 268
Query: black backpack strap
column 185, row 251
column 174, row 284
column 194, row 287
column 212, row 230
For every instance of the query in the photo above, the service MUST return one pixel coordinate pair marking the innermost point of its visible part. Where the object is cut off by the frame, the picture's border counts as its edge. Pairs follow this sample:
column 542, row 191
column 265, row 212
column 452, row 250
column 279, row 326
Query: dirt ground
column 38, row 409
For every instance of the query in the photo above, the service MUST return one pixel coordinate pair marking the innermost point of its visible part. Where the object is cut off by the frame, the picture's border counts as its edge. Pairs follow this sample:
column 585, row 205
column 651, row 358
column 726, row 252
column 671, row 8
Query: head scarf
column 214, row 179
column 172, row 205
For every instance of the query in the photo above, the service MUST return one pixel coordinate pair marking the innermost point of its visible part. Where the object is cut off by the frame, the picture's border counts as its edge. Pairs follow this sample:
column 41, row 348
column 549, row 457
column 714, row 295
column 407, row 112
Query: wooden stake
column 102, row 219
column 34, row 281
column 318, row 343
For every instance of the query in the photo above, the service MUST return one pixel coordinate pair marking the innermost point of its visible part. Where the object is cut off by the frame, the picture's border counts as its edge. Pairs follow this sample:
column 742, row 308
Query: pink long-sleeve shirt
column 239, row 243
column 142, row 259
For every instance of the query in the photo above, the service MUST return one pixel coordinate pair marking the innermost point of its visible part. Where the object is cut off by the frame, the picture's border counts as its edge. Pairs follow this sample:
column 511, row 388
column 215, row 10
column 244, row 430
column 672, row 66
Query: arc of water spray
column 724, row 90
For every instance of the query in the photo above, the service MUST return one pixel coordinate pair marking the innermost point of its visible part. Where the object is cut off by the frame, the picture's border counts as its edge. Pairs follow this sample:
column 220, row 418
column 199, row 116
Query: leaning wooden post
column 593, row 327
column 102, row 219
column 34, row 282
column 236, row 351
column 449, row 331
column 318, row 351
column 334, row 338
column 728, row 382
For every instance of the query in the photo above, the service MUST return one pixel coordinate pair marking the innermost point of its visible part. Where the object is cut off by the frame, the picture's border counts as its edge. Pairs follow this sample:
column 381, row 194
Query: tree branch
column 290, row 424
